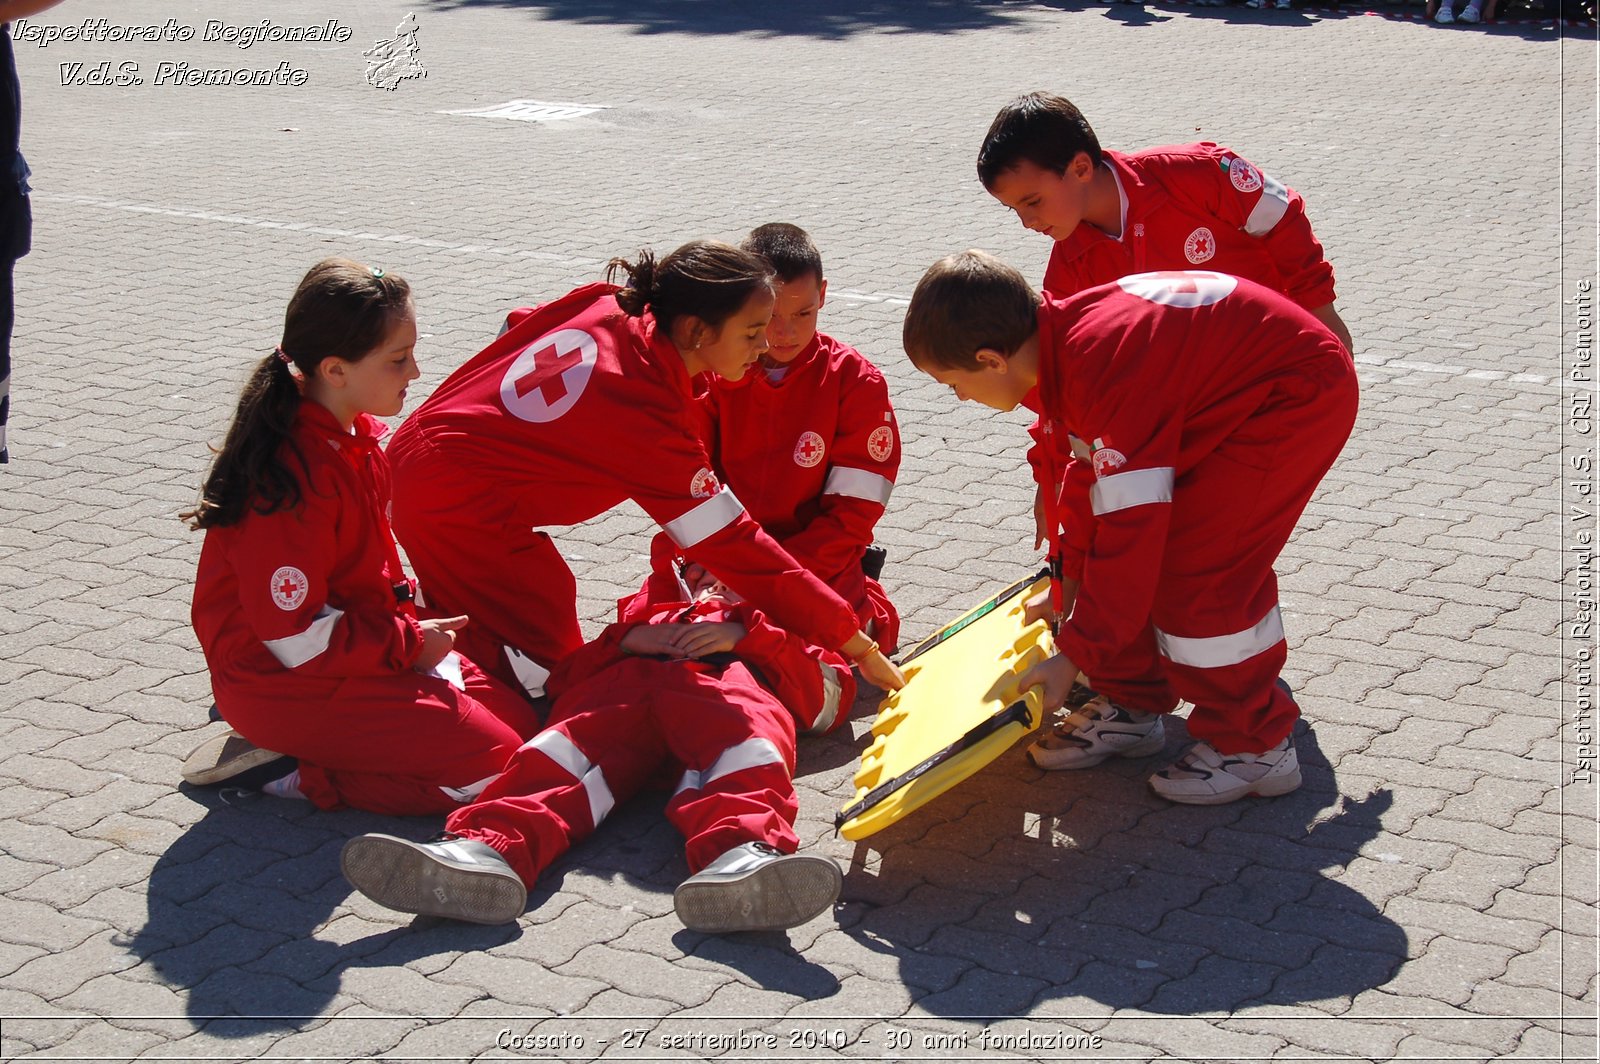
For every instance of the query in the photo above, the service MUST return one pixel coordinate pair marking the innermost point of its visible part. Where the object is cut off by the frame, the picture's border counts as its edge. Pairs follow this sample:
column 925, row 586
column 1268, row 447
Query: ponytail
column 707, row 279
column 342, row 309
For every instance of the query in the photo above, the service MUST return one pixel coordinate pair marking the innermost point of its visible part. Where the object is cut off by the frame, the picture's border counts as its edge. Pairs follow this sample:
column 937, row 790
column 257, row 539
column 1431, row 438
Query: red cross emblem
column 288, row 587
column 808, row 450
column 548, row 376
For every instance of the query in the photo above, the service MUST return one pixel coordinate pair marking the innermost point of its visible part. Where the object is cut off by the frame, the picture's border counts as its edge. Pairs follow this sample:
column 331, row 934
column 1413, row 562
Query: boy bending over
column 1202, row 411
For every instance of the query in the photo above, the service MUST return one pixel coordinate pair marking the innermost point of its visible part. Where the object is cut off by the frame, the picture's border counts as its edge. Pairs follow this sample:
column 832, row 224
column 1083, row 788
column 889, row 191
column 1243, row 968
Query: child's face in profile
column 794, row 317
column 991, row 384
column 1043, row 200
column 377, row 382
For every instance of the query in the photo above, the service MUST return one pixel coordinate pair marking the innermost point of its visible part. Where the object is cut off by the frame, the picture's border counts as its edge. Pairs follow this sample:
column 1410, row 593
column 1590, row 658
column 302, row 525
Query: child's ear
column 822, row 293
column 332, row 371
column 989, row 358
column 1081, row 168
column 689, row 332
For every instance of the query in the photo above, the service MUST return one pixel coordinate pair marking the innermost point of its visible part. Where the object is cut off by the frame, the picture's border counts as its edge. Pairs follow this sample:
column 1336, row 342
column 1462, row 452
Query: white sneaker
column 1471, row 14
column 1285, row 5
column 1099, row 730
column 1257, row 4
column 1444, row 17
column 463, row 879
column 1202, row 776
column 754, row 887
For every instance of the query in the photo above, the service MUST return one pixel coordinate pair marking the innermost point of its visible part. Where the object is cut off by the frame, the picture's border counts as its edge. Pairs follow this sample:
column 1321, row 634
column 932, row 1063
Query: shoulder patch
column 880, row 443
column 1245, row 177
column 289, row 588
column 1201, row 246
column 704, row 485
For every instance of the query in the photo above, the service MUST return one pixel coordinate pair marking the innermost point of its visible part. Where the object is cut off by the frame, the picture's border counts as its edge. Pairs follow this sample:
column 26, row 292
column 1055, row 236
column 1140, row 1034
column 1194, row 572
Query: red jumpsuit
column 1205, row 410
column 306, row 624
column 1188, row 207
column 575, row 408
column 617, row 720
column 813, row 457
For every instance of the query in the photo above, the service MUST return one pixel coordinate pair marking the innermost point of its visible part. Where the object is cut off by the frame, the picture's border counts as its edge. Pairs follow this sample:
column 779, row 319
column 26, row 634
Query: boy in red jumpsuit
column 1111, row 214
column 699, row 687
column 1204, row 410
column 808, row 438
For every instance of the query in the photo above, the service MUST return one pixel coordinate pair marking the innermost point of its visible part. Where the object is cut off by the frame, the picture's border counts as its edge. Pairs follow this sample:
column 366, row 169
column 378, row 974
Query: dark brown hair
column 964, row 304
column 1039, row 128
column 342, row 309
column 788, row 248
column 704, row 278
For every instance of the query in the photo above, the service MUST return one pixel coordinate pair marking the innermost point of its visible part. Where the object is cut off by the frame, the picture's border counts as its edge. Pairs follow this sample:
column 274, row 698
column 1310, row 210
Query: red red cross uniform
column 813, row 456
column 311, row 648
column 721, row 729
column 1205, row 410
column 1191, row 206
column 572, row 410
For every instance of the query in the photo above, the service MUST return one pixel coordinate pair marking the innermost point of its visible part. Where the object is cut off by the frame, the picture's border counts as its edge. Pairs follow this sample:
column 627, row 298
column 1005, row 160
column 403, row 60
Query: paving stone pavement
column 1428, row 895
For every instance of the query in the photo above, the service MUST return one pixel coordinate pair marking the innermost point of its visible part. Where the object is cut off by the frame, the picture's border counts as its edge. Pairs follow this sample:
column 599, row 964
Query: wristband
column 872, row 648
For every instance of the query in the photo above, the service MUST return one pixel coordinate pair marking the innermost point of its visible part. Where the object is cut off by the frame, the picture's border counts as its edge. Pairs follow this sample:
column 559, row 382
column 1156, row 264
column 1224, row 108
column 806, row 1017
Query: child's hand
column 1037, row 608
column 654, row 640
column 709, row 637
column 1055, row 675
column 881, row 672
column 438, row 639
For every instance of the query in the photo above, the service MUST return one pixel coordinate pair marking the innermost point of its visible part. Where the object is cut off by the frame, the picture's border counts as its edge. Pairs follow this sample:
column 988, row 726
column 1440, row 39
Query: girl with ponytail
column 580, row 404
column 306, row 618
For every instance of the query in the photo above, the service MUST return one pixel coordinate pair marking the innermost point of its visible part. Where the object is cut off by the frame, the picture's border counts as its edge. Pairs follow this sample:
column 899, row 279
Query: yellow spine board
column 951, row 689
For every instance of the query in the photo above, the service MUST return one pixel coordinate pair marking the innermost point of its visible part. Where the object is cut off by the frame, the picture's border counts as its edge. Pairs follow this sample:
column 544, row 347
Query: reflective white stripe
column 471, row 790
column 1270, row 208
column 858, row 484
column 1137, row 487
column 1079, row 448
column 529, row 673
column 831, row 693
column 752, row 753
column 1220, row 651
column 560, row 749
column 705, row 520
column 295, row 650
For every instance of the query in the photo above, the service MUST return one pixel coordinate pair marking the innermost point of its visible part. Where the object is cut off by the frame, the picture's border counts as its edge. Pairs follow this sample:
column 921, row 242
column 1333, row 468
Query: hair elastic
column 376, row 273
column 282, row 356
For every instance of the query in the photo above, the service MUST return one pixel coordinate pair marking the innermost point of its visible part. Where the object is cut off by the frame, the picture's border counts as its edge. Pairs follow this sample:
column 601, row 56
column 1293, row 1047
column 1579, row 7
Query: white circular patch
column 1180, row 288
column 1201, row 246
column 880, row 443
column 704, row 485
column 289, row 587
column 1245, row 177
column 808, row 450
column 1107, row 460
column 548, row 376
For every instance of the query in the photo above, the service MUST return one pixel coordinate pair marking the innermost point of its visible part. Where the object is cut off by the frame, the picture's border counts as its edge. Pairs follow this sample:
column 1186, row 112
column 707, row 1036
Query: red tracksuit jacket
column 1198, row 206
column 294, row 603
column 1149, row 377
column 577, row 407
column 814, row 455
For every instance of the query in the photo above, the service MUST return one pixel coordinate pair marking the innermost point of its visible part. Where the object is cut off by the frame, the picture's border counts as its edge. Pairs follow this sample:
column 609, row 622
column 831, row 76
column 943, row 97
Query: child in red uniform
column 1112, row 214
column 698, row 687
column 807, row 439
column 1178, row 208
column 580, row 404
column 1204, row 411
column 300, row 603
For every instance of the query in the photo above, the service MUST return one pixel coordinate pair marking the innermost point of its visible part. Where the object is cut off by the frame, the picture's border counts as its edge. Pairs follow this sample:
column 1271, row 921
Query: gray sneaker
column 1203, row 776
column 462, row 879
column 1096, row 731
column 754, row 887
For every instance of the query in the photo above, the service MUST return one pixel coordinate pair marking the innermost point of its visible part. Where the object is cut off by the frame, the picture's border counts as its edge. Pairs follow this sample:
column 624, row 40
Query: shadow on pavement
column 994, row 909
column 825, row 19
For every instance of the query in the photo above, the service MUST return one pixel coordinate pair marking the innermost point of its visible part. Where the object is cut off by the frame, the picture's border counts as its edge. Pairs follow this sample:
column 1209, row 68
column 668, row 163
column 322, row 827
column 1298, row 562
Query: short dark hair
column 788, row 248
column 707, row 279
column 1040, row 128
column 964, row 304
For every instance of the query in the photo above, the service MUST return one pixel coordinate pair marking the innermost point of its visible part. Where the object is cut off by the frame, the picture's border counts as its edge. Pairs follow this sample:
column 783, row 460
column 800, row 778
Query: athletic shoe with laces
column 1202, row 776
column 1471, row 14
column 462, row 879
column 754, row 887
column 1444, row 16
column 1096, row 731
